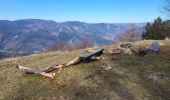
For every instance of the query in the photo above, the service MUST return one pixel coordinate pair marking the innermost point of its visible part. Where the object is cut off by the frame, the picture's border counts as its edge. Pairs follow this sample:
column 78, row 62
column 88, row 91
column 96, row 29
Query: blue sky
column 92, row 11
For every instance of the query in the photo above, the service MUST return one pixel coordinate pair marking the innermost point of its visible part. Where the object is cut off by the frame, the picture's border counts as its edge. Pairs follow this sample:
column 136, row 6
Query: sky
column 91, row 11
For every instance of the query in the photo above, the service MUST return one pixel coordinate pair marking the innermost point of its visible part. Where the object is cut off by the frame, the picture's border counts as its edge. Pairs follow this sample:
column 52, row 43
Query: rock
column 126, row 51
column 125, row 45
column 154, row 46
column 105, row 68
column 161, row 44
column 125, row 48
column 142, row 52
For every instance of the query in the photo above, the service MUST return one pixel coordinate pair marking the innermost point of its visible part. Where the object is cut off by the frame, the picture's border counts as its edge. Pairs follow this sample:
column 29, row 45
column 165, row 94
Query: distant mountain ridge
column 31, row 35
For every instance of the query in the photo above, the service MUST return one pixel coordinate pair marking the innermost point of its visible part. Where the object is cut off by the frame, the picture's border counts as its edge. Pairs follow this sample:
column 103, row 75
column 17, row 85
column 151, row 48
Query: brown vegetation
column 131, row 34
column 65, row 46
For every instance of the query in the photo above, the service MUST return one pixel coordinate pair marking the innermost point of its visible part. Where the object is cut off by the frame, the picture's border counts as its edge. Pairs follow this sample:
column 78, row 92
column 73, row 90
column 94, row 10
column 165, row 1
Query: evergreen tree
column 155, row 30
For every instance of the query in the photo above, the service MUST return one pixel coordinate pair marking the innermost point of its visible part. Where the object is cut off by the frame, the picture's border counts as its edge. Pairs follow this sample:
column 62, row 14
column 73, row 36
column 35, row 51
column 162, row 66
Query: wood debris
column 126, row 48
column 87, row 56
column 35, row 71
column 74, row 61
column 105, row 68
column 122, row 48
column 46, row 71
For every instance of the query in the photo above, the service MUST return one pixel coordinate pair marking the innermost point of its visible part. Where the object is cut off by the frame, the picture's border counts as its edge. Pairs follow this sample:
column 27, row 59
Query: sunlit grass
column 131, row 77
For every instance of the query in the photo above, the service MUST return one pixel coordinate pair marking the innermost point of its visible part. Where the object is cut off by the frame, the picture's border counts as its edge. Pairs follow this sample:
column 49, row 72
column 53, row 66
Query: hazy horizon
column 77, row 21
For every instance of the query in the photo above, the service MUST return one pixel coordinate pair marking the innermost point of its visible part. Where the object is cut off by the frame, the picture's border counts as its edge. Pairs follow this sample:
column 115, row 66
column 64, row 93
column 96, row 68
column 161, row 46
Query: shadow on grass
column 89, row 82
column 158, row 91
column 139, row 67
column 109, row 81
column 100, row 85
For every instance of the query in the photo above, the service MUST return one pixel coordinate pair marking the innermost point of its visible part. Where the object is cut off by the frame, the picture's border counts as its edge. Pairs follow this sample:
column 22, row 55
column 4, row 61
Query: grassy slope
column 131, row 77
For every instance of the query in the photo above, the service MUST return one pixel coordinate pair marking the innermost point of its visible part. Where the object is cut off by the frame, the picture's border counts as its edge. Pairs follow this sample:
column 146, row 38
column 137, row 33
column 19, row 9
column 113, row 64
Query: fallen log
column 35, row 71
column 96, row 58
column 52, row 67
column 74, row 61
column 86, row 57
column 45, row 71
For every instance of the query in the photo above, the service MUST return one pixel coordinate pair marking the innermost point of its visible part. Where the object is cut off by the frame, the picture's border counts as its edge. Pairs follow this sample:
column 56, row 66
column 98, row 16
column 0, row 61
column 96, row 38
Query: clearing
column 130, row 77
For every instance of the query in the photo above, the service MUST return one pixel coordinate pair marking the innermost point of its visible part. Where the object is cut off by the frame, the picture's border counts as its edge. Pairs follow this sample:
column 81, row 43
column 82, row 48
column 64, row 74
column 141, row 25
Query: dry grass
column 131, row 77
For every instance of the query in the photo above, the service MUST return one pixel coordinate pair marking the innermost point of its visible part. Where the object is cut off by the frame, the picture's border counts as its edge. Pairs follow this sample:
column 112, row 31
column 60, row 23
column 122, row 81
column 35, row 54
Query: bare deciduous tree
column 86, row 42
column 166, row 8
column 132, row 34
column 60, row 46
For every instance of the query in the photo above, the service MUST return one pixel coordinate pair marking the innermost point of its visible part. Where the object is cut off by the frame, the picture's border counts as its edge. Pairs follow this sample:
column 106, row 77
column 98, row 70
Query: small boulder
column 154, row 46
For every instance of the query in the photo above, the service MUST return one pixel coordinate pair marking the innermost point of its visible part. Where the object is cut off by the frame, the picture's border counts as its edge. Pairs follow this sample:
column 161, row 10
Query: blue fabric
column 154, row 46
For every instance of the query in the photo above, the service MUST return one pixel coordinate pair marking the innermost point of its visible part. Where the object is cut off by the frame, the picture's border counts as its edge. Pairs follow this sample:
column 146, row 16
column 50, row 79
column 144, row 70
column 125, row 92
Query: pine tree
column 155, row 30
